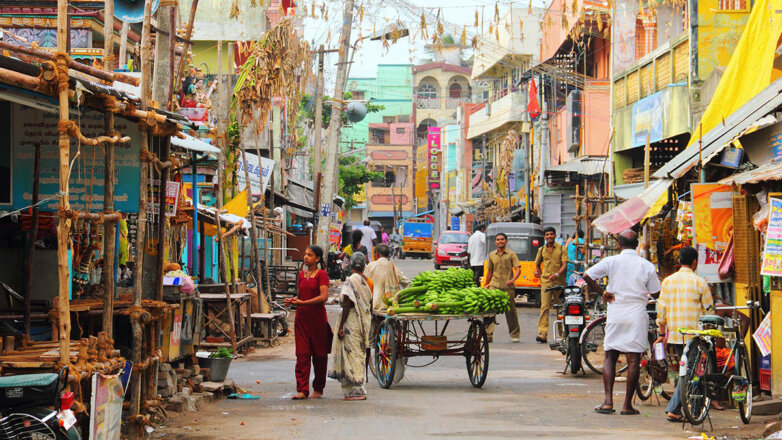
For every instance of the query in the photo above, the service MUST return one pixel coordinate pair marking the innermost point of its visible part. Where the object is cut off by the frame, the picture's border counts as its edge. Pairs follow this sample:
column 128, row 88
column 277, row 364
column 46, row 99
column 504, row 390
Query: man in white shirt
column 369, row 238
column 631, row 279
column 476, row 249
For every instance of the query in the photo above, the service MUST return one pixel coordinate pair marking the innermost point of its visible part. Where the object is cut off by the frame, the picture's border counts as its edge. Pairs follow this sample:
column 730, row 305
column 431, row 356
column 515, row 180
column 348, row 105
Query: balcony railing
column 455, row 102
column 428, row 103
column 441, row 102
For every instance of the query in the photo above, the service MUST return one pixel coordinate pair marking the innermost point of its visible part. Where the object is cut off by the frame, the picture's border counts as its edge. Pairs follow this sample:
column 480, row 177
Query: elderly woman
column 350, row 346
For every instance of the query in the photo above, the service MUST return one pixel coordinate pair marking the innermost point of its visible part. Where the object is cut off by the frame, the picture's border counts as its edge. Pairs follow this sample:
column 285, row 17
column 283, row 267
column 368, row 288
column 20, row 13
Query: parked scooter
column 571, row 320
column 33, row 406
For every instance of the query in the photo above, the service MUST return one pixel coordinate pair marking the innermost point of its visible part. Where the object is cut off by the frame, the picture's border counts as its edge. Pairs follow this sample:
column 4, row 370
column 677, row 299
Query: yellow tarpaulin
column 751, row 68
column 237, row 206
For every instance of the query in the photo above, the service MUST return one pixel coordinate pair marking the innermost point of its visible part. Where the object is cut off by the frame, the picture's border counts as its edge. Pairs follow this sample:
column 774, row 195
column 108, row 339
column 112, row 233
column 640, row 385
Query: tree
column 352, row 176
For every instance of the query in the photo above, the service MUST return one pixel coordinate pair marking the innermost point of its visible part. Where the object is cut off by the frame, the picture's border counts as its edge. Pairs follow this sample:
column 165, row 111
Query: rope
column 148, row 156
column 135, row 312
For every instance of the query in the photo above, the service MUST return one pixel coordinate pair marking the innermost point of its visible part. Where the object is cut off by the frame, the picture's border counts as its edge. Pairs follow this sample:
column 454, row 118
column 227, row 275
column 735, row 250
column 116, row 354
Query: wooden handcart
column 403, row 336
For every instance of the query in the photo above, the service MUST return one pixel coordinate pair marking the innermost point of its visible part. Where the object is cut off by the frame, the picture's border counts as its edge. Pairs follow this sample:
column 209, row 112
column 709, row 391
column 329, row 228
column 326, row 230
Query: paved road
column 525, row 396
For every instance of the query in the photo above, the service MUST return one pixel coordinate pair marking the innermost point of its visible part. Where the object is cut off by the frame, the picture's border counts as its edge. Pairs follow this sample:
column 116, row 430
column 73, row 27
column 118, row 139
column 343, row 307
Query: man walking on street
column 684, row 298
column 631, row 279
column 503, row 269
column 550, row 264
column 369, row 238
column 476, row 248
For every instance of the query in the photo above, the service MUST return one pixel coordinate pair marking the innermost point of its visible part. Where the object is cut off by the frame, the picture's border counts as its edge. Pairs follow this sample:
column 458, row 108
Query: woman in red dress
column 311, row 326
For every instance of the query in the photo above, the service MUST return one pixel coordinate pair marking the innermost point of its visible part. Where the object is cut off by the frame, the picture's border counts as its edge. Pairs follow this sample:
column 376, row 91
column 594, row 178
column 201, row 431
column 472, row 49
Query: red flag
column 533, row 108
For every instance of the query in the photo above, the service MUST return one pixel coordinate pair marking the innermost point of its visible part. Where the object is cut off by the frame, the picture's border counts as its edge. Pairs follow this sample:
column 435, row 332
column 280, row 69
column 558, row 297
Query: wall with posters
column 712, row 226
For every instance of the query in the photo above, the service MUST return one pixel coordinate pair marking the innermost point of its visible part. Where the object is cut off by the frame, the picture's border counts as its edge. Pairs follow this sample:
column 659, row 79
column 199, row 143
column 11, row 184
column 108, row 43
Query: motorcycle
column 34, row 406
column 334, row 268
column 571, row 320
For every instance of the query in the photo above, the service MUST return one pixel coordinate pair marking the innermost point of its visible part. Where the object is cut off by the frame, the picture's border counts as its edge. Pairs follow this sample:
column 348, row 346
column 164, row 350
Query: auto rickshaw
column 524, row 239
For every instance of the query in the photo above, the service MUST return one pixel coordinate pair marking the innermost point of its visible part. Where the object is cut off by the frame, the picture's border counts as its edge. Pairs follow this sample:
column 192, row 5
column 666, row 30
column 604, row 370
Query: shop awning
column 301, row 198
column 646, row 204
column 628, row 190
column 586, row 165
column 194, row 144
column 765, row 172
column 751, row 116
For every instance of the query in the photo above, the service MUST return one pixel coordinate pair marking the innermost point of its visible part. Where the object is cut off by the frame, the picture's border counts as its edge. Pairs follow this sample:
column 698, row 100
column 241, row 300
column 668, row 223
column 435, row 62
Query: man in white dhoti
column 631, row 279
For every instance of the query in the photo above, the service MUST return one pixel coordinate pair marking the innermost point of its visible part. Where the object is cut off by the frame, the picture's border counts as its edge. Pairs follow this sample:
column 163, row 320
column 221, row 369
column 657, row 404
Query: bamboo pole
column 188, row 34
column 123, row 45
column 28, row 264
column 222, row 252
column 109, row 242
column 63, row 224
column 266, row 255
column 136, row 327
column 264, row 304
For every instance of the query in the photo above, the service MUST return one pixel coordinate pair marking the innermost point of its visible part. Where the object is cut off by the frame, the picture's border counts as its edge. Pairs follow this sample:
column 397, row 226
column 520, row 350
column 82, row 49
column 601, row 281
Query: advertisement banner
column 712, row 214
column 772, row 249
column 106, row 408
column 260, row 173
column 435, row 157
column 762, row 336
column 648, row 119
column 32, row 126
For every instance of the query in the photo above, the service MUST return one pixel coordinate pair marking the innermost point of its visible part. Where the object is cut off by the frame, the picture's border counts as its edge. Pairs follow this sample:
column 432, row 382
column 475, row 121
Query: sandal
column 630, row 412
column 600, row 409
column 675, row 418
column 300, row 396
column 355, row 398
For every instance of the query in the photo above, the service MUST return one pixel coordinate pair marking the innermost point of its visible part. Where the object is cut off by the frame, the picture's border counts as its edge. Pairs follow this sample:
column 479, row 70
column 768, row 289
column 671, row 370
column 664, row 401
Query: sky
column 454, row 14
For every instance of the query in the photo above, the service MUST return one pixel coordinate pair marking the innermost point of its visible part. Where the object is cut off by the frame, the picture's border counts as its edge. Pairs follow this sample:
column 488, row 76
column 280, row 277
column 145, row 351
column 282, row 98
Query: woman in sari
column 350, row 346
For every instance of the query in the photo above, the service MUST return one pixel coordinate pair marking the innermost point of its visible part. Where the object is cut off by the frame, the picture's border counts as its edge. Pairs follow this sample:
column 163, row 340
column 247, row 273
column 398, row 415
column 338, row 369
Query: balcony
column 439, row 103
column 428, row 103
column 494, row 114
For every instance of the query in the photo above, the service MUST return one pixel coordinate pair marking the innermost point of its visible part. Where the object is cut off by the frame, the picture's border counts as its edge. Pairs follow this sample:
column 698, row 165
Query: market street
column 525, row 396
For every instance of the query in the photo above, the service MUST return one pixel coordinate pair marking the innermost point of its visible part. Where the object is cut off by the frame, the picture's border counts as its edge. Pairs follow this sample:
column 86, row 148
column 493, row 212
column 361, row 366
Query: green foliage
column 223, row 353
column 307, row 108
column 352, row 176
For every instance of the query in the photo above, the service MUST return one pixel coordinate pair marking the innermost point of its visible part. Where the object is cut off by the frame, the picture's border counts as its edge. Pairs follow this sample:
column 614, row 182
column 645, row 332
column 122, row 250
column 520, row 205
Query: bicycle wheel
column 592, row 347
column 745, row 387
column 476, row 353
column 646, row 382
column 385, row 354
column 698, row 363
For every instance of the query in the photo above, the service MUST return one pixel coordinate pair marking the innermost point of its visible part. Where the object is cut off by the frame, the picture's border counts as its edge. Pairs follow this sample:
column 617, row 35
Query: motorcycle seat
column 28, row 380
column 712, row 320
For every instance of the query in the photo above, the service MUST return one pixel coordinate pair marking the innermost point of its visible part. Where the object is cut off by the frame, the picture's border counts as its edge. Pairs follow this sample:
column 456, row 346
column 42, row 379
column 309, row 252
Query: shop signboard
column 648, row 119
column 762, row 336
column 435, row 157
column 772, row 250
column 776, row 146
column 260, row 172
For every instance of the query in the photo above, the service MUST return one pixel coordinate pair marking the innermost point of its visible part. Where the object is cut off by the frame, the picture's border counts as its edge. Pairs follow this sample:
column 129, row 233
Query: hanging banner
column 772, row 249
column 260, row 173
column 712, row 214
column 762, row 336
column 435, row 158
column 172, row 198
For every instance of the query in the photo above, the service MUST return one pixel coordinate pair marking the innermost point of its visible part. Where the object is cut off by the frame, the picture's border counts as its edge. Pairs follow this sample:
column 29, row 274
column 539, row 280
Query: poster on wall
column 32, row 126
column 772, row 249
column 712, row 214
column 435, row 157
column 260, row 173
column 106, row 407
column 648, row 119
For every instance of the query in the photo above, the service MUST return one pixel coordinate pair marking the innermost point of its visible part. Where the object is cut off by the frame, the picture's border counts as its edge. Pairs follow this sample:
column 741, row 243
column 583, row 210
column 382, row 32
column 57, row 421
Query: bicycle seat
column 714, row 320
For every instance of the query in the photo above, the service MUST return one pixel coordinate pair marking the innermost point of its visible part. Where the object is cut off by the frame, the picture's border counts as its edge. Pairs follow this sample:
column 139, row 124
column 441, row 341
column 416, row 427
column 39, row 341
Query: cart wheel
column 476, row 352
column 385, row 353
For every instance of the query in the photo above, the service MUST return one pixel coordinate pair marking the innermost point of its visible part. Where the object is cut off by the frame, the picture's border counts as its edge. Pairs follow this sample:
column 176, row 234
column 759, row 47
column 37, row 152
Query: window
column 455, row 91
column 392, row 176
column 378, row 136
column 404, row 118
column 358, row 96
column 427, row 91
column 389, row 119
column 400, row 131
column 732, row 5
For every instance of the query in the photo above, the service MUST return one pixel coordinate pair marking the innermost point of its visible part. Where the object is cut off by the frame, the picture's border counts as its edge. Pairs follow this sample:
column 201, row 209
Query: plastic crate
column 765, row 373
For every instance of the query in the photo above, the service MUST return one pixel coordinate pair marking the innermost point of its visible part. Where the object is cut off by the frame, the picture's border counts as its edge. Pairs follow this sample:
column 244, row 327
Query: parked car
column 449, row 248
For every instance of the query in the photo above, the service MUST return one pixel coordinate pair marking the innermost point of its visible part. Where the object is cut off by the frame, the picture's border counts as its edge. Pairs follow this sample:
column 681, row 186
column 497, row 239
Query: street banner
column 435, row 157
column 772, row 249
column 762, row 336
column 712, row 214
column 260, row 173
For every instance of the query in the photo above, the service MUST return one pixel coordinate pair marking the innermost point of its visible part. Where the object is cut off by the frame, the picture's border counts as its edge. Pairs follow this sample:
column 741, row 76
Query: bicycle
column 703, row 382
column 655, row 373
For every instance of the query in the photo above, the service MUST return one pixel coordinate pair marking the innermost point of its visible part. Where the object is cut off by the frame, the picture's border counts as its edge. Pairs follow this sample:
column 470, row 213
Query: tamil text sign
column 435, row 158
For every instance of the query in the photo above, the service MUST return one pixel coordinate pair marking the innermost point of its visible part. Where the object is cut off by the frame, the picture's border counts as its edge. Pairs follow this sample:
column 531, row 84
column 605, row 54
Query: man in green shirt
column 502, row 271
column 550, row 264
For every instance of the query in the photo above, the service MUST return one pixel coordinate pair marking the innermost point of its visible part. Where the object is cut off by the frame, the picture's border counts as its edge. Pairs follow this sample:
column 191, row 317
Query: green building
column 391, row 88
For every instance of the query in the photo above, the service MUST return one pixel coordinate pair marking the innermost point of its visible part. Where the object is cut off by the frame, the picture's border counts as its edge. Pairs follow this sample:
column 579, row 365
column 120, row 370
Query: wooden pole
column 188, row 34
column 647, row 237
column 123, row 45
column 109, row 242
column 135, row 390
column 264, row 305
column 266, row 255
column 29, row 258
column 63, row 224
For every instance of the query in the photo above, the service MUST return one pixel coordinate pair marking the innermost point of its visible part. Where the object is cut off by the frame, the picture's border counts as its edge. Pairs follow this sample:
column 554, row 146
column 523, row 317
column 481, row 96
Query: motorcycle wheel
column 575, row 355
